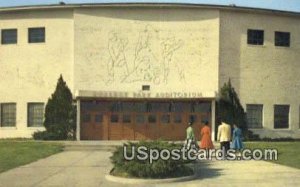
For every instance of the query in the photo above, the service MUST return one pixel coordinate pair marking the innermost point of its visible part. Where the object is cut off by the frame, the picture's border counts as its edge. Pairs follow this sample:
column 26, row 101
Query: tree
column 229, row 108
column 60, row 113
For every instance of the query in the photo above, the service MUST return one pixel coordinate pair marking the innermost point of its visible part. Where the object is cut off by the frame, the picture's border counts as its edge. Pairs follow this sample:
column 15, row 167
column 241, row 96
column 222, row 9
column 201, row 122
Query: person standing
column 237, row 143
column 206, row 142
column 224, row 136
column 190, row 137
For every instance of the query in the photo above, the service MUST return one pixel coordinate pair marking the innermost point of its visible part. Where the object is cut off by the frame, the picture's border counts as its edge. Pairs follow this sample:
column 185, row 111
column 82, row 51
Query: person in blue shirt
column 237, row 143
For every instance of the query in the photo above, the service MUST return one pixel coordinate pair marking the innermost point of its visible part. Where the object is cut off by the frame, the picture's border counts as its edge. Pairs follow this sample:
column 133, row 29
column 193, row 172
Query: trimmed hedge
column 44, row 135
column 283, row 139
column 144, row 169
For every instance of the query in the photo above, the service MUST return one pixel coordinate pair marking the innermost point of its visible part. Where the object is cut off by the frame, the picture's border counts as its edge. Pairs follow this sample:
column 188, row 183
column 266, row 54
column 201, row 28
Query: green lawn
column 16, row 153
column 288, row 152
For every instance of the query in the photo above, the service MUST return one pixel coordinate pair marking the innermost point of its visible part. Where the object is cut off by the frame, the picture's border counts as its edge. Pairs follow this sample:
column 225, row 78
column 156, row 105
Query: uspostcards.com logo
column 149, row 154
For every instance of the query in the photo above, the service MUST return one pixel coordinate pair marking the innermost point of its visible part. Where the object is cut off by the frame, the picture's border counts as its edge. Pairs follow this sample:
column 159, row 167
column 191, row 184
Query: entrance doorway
column 141, row 120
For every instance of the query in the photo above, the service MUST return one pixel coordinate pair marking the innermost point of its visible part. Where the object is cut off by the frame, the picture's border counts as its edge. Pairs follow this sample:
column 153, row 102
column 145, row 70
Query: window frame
column 260, row 126
column 165, row 118
column 254, row 39
column 7, row 30
column 1, row 115
column 288, row 117
column 279, row 42
column 99, row 118
column 28, row 114
column 138, row 117
column 30, row 40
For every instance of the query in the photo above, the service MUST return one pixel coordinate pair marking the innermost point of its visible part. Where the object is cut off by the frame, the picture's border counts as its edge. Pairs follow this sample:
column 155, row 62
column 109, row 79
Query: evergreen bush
column 144, row 169
column 230, row 110
column 60, row 115
column 45, row 135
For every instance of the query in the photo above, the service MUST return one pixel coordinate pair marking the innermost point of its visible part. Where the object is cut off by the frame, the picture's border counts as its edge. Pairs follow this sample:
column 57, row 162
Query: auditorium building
column 144, row 70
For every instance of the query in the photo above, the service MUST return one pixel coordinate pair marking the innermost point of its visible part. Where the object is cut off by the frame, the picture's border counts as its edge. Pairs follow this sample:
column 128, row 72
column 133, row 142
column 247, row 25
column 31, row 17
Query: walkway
column 88, row 168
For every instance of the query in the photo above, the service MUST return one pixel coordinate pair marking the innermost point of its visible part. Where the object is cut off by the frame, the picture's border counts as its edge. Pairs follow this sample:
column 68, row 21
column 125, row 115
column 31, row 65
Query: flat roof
column 231, row 7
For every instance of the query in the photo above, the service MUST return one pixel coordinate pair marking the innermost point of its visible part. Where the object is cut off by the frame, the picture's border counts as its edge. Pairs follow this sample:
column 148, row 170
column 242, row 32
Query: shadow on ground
column 204, row 170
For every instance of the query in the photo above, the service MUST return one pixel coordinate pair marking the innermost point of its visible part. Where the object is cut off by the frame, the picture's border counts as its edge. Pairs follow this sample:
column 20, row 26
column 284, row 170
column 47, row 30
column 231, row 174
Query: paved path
column 88, row 168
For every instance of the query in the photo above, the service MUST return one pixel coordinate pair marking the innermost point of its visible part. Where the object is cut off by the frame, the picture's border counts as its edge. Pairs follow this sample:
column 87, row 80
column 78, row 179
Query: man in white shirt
column 224, row 136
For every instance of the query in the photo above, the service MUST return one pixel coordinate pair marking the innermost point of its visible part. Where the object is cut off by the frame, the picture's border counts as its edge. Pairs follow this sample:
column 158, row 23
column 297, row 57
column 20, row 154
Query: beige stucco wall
column 29, row 72
column 174, row 50
column 265, row 74
column 170, row 49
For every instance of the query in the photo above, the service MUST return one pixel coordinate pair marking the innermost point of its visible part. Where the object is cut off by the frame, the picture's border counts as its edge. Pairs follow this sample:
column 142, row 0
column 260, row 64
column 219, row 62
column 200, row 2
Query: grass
column 288, row 152
column 14, row 153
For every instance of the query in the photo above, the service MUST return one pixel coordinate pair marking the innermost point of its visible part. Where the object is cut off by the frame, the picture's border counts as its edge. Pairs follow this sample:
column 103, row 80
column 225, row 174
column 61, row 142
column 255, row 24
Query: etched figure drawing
column 152, row 60
column 145, row 61
column 117, row 67
column 170, row 45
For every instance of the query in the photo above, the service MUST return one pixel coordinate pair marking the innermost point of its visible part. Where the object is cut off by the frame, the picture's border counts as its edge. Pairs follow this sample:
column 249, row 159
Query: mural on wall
column 118, row 65
column 152, row 59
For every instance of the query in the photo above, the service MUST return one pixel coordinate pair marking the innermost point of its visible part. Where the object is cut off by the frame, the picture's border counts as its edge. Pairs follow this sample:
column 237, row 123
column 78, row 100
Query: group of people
column 224, row 137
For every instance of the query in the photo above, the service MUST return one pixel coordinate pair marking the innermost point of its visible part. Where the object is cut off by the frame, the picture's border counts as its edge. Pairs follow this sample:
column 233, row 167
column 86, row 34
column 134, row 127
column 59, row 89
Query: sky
column 288, row 5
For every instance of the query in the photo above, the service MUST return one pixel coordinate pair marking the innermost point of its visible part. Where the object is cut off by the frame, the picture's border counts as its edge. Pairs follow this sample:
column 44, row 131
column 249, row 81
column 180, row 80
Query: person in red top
column 206, row 142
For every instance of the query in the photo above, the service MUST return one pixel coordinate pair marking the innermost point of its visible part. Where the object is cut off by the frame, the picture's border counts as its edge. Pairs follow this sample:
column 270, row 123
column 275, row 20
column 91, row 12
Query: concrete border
column 123, row 180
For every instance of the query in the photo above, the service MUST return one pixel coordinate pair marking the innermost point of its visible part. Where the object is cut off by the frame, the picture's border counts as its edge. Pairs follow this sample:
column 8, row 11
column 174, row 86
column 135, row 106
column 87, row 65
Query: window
column 177, row 118
column 127, row 106
column 116, row 107
column 282, row 39
column 35, row 114
column 140, row 119
column 9, row 36
column 114, row 118
column 152, row 118
column 8, row 115
column 140, row 107
column 101, row 106
column 281, row 116
column 181, row 107
column 255, row 37
column 201, row 107
column 36, row 35
column 165, row 118
column 99, row 118
column 159, row 107
column 254, row 116
column 126, row 118
column 145, row 87
column 86, row 105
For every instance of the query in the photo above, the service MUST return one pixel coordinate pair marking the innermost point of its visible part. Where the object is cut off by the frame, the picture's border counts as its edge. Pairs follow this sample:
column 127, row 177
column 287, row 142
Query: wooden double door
column 123, row 125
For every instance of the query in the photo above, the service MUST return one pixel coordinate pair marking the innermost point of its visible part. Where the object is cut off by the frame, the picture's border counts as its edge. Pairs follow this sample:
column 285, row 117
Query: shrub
column 60, row 115
column 230, row 110
column 143, row 169
column 283, row 139
column 251, row 136
column 45, row 135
